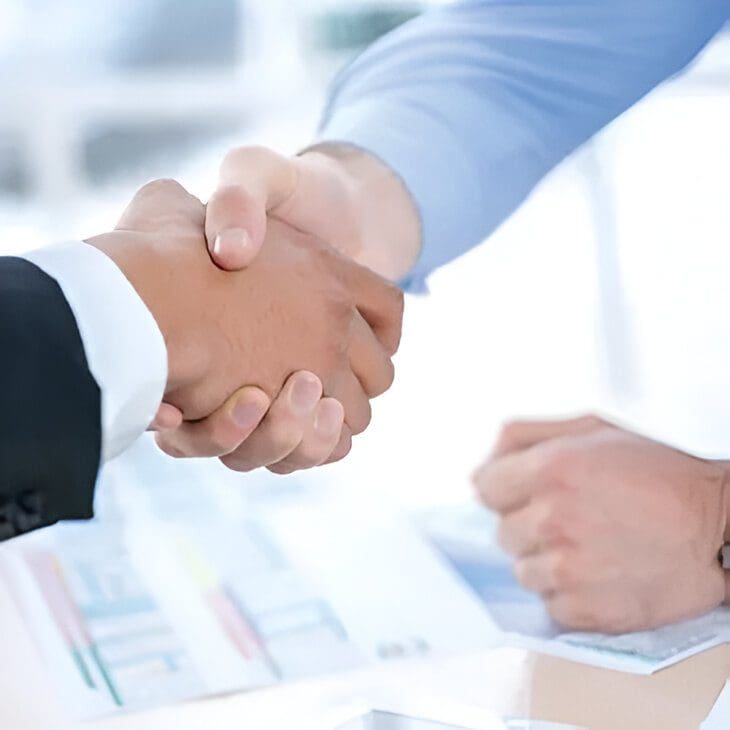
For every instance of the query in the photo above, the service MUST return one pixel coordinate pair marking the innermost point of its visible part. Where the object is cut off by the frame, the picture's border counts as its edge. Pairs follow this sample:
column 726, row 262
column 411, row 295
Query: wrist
column 385, row 222
column 136, row 259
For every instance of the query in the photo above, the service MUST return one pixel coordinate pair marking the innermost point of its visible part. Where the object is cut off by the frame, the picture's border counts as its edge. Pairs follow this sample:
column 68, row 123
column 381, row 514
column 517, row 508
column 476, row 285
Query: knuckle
column 283, row 468
column 284, row 436
column 250, row 158
column 554, row 466
column 236, row 462
column 509, row 435
column 229, row 196
column 385, row 379
column 574, row 612
column 590, row 421
column 235, row 157
column 566, row 611
column 163, row 185
column 396, row 303
column 484, row 484
column 220, row 441
column 338, row 456
column 609, row 621
column 307, row 455
column 359, row 421
column 560, row 570
column 392, row 341
column 249, row 154
column 168, row 446
column 342, row 449
column 399, row 301
column 550, row 522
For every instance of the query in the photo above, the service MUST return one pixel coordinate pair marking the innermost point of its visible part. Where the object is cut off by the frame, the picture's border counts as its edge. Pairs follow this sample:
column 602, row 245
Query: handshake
column 273, row 363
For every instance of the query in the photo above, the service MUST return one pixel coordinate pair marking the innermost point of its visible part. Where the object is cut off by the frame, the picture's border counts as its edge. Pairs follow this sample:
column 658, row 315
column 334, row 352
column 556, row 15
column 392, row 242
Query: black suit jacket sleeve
column 50, row 406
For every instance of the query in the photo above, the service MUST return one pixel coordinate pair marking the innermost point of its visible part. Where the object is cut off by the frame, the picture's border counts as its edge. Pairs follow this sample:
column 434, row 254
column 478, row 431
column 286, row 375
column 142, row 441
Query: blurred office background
column 608, row 290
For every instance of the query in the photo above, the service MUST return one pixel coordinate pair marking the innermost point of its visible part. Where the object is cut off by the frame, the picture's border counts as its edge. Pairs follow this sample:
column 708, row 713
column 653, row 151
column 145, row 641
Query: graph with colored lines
column 187, row 586
column 121, row 642
column 152, row 613
column 272, row 613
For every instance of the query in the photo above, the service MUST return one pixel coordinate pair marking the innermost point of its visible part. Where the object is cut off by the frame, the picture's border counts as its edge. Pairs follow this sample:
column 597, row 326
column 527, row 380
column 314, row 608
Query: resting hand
column 617, row 532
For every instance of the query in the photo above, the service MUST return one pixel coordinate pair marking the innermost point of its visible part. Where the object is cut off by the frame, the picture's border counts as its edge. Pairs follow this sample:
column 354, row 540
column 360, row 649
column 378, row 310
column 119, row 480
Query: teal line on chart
column 81, row 666
column 105, row 674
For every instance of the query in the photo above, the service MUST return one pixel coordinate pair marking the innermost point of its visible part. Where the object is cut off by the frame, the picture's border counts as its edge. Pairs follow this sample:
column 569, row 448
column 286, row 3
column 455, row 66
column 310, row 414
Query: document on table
column 135, row 616
column 464, row 538
column 183, row 592
column 469, row 597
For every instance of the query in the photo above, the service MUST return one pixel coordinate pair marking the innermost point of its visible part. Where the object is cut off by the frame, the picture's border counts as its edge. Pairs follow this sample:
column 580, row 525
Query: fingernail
column 246, row 414
column 305, row 395
column 231, row 239
column 329, row 418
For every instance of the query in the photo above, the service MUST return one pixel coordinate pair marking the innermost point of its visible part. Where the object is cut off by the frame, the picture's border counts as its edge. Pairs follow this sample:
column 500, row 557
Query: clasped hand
column 301, row 321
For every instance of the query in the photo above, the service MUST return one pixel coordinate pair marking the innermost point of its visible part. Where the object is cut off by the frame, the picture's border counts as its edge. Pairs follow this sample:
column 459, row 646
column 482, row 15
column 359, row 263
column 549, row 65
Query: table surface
column 507, row 681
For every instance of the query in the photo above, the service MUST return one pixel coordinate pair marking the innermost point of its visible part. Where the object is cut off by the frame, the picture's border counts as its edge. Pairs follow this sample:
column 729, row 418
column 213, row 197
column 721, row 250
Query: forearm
column 471, row 105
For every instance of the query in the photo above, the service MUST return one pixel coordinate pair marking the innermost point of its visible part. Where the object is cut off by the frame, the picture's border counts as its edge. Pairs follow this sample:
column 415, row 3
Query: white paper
column 464, row 537
column 180, row 591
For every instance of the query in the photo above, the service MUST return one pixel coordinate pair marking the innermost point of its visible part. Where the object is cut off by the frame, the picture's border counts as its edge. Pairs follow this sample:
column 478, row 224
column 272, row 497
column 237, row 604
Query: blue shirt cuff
column 456, row 185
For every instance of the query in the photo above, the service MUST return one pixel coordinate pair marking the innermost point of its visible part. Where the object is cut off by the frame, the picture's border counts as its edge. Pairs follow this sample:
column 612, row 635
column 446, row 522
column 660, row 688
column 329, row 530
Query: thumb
column 252, row 182
column 235, row 226
column 168, row 418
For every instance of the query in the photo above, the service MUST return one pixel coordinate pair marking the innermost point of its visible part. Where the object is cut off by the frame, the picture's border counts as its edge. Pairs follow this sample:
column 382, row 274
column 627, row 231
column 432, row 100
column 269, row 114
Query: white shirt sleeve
column 124, row 347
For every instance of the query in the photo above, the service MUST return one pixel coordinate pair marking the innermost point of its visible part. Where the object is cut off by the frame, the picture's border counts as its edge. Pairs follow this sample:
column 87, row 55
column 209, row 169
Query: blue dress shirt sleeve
column 472, row 104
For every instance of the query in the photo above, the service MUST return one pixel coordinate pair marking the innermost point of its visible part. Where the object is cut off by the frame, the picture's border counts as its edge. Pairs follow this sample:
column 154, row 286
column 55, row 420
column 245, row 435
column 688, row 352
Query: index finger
column 161, row 204
column 520, row 435
column 379, row 302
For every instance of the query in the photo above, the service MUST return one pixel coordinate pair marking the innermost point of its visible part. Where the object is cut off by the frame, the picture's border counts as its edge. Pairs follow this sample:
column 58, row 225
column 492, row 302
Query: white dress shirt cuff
column 125, row 350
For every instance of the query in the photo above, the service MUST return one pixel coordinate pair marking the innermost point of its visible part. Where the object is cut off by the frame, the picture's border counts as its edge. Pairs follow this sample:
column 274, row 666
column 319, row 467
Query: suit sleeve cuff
column 124, row 347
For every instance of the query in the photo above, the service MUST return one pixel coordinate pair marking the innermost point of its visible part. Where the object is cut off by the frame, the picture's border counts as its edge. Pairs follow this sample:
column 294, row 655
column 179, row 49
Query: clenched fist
column 617, row 532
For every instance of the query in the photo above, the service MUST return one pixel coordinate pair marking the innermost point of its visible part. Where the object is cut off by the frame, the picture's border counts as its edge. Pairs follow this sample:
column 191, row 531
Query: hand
column 336, row 193
column 299, row 430
column 617, row 532
column 339, row 195
column 299, row 302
